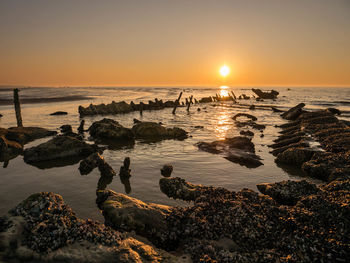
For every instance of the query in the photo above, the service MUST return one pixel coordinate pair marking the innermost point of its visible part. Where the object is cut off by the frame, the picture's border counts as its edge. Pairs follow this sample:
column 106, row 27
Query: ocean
column 19, row 179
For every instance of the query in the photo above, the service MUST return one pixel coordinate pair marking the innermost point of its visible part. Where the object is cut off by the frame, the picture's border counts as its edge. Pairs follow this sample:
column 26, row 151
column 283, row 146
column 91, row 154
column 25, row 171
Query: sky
column 175, row 42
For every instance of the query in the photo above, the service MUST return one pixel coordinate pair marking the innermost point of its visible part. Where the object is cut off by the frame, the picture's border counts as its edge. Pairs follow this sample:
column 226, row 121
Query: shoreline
column 291, row 221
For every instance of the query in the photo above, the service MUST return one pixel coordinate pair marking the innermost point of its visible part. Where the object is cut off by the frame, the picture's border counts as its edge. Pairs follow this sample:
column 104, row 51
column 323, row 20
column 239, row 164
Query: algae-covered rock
column 111, row 131
column 58, row 148
column 155, row 131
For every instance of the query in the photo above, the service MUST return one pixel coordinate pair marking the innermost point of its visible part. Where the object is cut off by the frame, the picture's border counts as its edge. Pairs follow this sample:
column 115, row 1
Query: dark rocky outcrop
column 108, row 130
column 294, row 112
column 25, row 135
column 93, row 161
column 249, row 116
column 13, row 139
column 327, row 161
column 266, row 95
column 43, row 228
column 59, row 113
column 288, row 192
column 155, row 131
column 60, row 147
column 247, row 133
column 129, row 214
column 243, row 226
column 166, row 170
column 238, row 149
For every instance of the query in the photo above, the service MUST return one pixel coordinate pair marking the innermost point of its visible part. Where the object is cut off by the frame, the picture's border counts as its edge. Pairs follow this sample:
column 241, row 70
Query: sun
column 224, row 70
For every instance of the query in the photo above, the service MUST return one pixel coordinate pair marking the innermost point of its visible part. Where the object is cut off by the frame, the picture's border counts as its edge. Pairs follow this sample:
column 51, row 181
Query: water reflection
column 224, row 123
column 224, row 91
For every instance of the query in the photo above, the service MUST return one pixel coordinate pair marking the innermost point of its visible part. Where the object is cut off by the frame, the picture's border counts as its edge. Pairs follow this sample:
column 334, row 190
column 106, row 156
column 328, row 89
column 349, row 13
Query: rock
column 129, row 214
column 102, row 109
column 125, row 168
column 56, row 234
column 1, row 115
column 155, row 131
column 93, row 161
column 252, row 107
column 295, row 156
column 9, row 149
column 237, row 149
column 206, row 100
column 66, row 128
column 274, row 109
column 166, row 170
column 24, row 135
column 108, row 130
column 249, row 116
column 294, row 112
column 246, row 133
column 178, row 188
column 60, row 147
column 81, row 127
column 334, row 111
column 288, row 192
column 59, row 113
column 266, row 95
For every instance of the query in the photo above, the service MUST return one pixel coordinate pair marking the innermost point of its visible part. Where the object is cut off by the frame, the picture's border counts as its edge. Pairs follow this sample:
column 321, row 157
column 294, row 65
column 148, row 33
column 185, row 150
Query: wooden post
column 17, row 108
column 177, row 102
column 189, row 103
column 234, row 95
column 141, row 108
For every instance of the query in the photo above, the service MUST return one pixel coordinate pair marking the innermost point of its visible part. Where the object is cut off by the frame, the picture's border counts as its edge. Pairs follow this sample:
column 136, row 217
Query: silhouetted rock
column 266, row 95
column 59, row 147
column 110, row 130
column 237, row 149
column 166, row 170
column 246, row 133
column 66, row 128
column 249, row 116
column 155, row 131
column 294, row 112
column 59, row 113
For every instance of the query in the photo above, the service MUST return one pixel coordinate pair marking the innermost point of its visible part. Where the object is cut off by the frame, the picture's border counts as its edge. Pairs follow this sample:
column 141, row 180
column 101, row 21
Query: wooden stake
column 177, row 102
column 234, row 95
column 189, row 103
column 17, row 108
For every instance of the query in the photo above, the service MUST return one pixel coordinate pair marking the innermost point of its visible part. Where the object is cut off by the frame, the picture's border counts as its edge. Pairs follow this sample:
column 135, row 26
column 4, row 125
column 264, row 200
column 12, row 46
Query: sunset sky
column 178, row 42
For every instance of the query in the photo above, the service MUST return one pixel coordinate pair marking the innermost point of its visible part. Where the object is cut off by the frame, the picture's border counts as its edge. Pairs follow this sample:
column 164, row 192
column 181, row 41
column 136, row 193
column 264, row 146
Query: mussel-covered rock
column 178, row 188
column 125, row 213
column 24, row 135
column 238, row 149
column 103, row 109
column 166, row 170
column 155, row 131
column 9, row 149
column 294, row 112
column 110, row 130
column 295, row 156
column 93, row 161
column 288, row 192
column 59, row 148
column 43, row 228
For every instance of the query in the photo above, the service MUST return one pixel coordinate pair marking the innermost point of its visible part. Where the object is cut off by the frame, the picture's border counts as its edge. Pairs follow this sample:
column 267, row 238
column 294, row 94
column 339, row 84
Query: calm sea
column 19, row 180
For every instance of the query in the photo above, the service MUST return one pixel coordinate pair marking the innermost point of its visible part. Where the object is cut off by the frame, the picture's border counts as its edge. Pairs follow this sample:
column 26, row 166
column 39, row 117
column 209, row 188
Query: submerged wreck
column 266, row 95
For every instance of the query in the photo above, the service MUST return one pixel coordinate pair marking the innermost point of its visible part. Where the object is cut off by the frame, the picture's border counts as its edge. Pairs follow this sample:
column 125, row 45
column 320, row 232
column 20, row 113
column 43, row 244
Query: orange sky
column 183, row 42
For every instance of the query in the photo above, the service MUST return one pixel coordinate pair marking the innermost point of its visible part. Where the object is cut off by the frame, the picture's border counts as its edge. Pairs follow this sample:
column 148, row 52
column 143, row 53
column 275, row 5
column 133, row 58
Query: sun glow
column 224, row 70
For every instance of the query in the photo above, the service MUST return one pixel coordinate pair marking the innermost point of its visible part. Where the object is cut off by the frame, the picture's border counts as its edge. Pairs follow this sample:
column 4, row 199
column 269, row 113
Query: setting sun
column 224, row 70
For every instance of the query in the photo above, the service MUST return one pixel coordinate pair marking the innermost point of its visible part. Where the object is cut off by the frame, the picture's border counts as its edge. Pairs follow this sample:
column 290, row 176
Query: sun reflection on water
column 223, row 124
column 224, row 91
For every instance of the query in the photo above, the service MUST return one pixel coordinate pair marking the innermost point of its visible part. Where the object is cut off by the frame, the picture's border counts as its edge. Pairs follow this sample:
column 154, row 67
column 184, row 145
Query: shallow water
column 19, row 180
